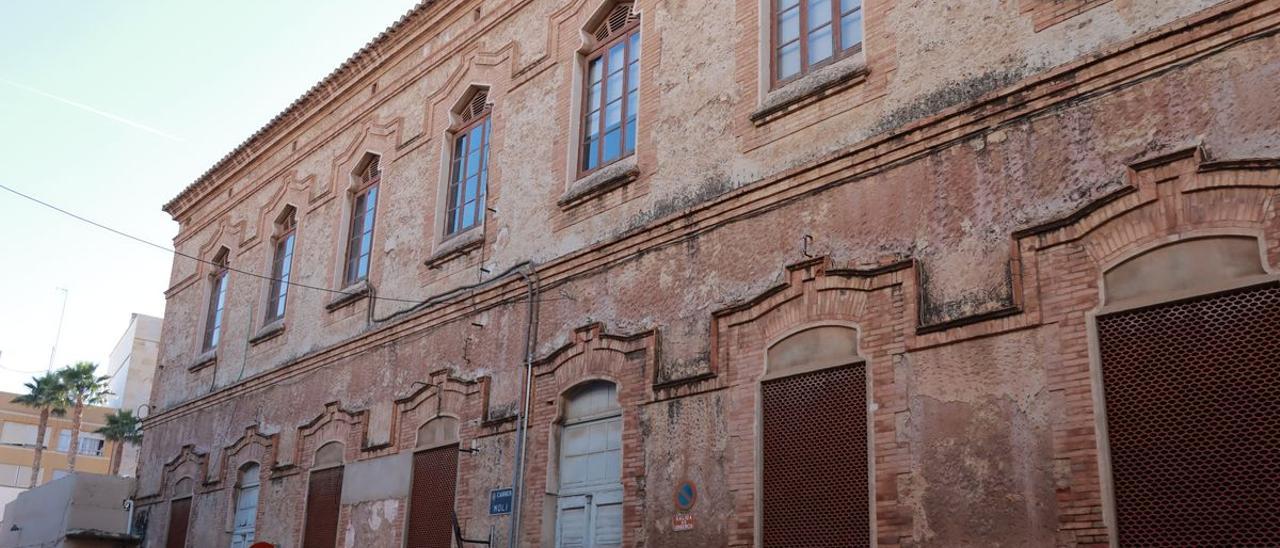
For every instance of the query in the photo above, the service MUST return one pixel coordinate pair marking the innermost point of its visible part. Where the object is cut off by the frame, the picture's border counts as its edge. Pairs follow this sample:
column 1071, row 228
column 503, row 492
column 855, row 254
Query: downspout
column 530, row 276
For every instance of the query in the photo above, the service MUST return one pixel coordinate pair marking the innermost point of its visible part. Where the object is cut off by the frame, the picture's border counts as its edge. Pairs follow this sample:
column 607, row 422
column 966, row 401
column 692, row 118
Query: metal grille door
column 431, row 504
column 179, row 515
column 1193, row 418
column 815, row 484
column 324, row 500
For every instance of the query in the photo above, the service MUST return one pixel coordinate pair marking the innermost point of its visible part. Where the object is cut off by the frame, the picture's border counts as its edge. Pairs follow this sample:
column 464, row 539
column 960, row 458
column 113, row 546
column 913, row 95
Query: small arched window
column 246, row 506
column 612, row 95
column 282, row 263
column 217, row 300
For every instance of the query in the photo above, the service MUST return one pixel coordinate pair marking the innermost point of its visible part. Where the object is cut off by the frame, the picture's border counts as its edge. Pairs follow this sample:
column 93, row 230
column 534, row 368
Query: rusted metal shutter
column 431, row 503
column 324, row 499
column 815, row 484
column 1192, row 394
column 179, row 516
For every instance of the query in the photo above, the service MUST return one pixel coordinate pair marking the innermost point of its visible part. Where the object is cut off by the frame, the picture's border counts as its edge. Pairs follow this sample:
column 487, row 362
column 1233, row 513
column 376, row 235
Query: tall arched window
column 245, row 518
column 217, row 300
column 589, row 503
column 364, row 207
column 469, row 171
column 612, row 96
column 324, row 497
column 814, row 442
column 281, row 263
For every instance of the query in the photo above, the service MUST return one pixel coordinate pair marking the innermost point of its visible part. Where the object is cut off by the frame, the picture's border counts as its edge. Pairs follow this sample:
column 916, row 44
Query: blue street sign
column 500, row 501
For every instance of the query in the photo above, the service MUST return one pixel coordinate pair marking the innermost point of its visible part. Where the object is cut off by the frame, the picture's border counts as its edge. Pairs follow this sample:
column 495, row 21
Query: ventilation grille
column 372, row 170
column 1193, row 420
column 476, row 107
column 815, row 485
column 179, row 515
column 618, row 18
column 324, row 499
column 431, row 503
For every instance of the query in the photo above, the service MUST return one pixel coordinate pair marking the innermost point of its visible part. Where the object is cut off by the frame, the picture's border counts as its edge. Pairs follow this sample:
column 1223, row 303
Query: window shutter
column 179, row 515
column 1192, row 395
column 815, row 487
column 324, row 500
column 431, row 503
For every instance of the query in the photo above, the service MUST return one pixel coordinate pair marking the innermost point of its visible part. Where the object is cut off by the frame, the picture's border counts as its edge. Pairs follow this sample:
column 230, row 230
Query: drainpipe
column 522, row 419
column 128, row 505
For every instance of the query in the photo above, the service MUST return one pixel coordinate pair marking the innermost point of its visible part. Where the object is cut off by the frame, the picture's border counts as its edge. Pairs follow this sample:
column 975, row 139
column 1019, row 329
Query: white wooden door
column 245, row 517
column 590, row 521
column 589, row 508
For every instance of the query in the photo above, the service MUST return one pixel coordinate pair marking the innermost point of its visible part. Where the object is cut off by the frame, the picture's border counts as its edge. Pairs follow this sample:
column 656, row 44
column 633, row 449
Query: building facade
column 132, row 367
column 18, row 428
column 739, row 273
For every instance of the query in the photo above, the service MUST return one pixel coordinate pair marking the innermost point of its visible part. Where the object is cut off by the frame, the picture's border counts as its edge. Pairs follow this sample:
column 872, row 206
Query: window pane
column 847, row 5
column 595, row 70
column 593, row 123
column 617, row 58
column 615, row 86
column 633, row 77
column 612, row 145
column 789, row 25
column 820, row 45
column 789, row 60
column 589, row 153
column 612, row 115
column 851, row 30
column 819, row 13
column 785, row 4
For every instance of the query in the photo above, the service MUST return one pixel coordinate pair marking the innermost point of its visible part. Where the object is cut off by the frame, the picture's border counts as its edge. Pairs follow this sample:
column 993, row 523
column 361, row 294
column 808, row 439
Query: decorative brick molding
column 591, row 355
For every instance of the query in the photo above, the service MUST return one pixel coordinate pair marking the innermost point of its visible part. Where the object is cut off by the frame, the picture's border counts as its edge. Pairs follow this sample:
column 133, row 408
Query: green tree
column 84, row 387
column 48, row 395
column 122, row 427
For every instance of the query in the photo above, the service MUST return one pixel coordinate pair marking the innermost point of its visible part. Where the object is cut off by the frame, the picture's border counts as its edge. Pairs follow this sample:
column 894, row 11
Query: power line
column 192, row 257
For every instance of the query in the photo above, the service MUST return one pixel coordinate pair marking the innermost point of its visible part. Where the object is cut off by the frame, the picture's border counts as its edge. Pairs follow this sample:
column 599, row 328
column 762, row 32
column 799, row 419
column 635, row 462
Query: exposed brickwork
column 962, row 225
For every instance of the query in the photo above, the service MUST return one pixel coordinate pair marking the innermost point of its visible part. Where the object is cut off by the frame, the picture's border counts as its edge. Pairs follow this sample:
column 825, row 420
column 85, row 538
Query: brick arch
column 291, row 191
column 188, row 463
column 335, row 423
column 252, row 446
column 1175, row 198
column 442, row 395
column 815, row 292
column 591, row 354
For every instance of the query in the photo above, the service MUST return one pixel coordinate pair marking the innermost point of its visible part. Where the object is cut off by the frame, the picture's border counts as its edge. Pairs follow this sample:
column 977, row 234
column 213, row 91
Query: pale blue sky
column 109, row 108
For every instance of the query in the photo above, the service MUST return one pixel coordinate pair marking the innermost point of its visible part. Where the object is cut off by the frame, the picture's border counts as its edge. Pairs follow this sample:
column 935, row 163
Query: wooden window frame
column 622, row 35
column 217, row 304
column 837, row 53
column 367, row 185
column 282, row 267
column 453, row 193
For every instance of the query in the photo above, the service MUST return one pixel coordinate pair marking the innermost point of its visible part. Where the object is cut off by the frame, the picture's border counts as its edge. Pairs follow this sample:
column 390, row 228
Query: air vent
column 618, row 18
column 476, row 106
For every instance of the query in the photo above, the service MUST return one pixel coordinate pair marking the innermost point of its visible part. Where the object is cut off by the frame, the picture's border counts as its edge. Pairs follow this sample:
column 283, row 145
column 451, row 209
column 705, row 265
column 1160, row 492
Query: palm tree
column 122, row 427
column 49, row 395
column 84, row 387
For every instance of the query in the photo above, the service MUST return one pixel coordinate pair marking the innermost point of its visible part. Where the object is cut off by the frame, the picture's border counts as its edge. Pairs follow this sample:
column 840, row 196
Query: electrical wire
column 192, row 257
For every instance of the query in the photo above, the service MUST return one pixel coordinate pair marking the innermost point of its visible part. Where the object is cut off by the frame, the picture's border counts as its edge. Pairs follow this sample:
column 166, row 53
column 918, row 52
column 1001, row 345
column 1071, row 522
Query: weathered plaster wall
column 969, row 422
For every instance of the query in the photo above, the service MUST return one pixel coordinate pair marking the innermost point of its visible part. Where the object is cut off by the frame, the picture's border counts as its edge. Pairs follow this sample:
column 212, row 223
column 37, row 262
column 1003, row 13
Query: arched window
column 281, row 263
column 814, row 441
column 612, row 95
column 364, row 207
column 217, row 300
column 435, row 472
column 324, row 497
column 589, row 503
column 469, row 171
column 245, row 518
